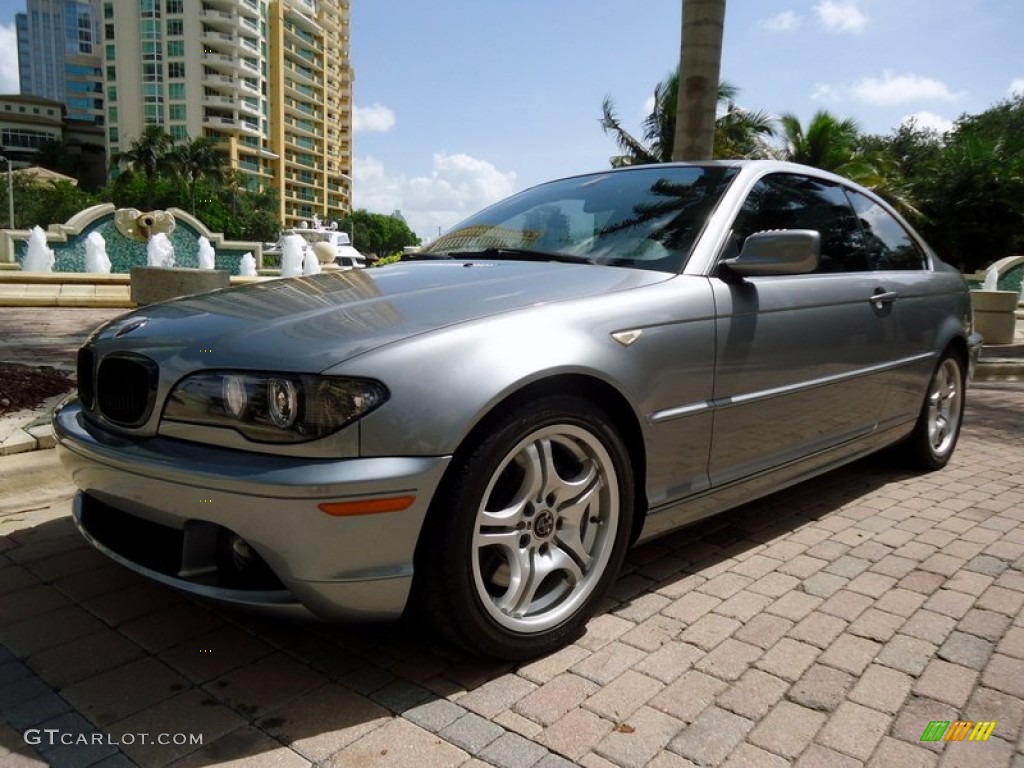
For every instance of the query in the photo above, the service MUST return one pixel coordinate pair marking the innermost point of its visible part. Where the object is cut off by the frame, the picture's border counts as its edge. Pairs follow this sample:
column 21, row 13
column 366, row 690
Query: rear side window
column 789, row 201
column 887, row 243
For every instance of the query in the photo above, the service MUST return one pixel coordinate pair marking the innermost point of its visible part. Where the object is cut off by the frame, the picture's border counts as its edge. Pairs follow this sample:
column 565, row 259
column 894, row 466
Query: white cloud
column 841, row 17
column 826, row 92
column 1017, row 87
column 375, row 118
column 929, row 121
column 893, row 89
column 9, row 59
column 786, row 21
column 457, row 186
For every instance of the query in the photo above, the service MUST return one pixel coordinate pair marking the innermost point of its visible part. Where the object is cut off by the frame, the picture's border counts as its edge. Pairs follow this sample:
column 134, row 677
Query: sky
column 459, row 103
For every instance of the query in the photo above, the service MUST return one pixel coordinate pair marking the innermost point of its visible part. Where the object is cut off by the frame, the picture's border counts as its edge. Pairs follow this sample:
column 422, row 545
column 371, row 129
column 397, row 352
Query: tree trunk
column 700, row 62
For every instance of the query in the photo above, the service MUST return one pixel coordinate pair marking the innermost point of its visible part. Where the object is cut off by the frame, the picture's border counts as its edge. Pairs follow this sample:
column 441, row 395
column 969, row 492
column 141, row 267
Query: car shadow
column 259, row 683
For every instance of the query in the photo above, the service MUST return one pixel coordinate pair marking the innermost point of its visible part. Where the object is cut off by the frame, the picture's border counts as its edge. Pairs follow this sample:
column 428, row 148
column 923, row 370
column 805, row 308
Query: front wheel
column 529, row 531
column 935, row 435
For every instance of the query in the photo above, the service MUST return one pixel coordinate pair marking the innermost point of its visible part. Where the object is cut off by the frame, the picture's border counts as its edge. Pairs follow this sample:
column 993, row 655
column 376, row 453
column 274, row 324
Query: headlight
column 273, row 407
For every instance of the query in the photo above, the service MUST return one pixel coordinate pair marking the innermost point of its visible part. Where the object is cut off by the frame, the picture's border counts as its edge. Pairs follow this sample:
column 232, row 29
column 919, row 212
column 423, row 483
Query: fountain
column 96, row 259
column 994, row 310
column 247, row 266
column 991, row 282
column 292, row 247
column 159, row 251
column 310, row 262
column 206, row 254
column 39, row 257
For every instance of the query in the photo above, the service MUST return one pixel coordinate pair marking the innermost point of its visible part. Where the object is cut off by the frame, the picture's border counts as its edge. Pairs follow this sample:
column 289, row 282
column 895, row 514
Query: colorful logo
column 958, row 730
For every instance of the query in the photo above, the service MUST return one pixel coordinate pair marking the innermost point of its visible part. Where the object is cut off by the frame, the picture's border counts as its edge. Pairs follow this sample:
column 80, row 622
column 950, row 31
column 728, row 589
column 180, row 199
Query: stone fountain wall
column 67, row 241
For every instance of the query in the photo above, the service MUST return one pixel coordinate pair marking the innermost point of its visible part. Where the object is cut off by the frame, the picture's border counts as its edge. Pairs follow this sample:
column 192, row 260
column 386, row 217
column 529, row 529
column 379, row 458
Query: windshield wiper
column 520, row 254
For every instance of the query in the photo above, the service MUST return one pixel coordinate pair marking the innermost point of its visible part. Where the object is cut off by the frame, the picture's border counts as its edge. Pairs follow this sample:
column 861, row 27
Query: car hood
column 312, row 323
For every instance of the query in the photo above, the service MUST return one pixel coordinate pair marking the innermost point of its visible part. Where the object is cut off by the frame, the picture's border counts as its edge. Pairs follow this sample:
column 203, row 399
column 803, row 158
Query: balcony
column 222, row 62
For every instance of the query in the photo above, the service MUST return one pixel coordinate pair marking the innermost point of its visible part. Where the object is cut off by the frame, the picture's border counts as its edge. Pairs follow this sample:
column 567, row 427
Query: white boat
column 345, row 256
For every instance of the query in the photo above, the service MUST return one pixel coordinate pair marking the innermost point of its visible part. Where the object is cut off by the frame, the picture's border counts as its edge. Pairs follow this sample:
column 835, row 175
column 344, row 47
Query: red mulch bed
column 27, row 386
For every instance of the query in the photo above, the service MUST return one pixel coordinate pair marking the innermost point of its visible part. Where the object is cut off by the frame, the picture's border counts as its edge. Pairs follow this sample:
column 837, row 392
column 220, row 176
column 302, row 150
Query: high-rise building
column 269, row 79
column 60, row 55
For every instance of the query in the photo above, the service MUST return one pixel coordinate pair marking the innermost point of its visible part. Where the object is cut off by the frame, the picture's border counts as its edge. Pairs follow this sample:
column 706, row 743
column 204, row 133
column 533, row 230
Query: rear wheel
column 529, row 531
column 935, row 435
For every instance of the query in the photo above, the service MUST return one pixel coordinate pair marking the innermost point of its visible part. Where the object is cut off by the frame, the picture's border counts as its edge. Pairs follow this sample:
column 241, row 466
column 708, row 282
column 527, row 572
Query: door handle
column 880, row 299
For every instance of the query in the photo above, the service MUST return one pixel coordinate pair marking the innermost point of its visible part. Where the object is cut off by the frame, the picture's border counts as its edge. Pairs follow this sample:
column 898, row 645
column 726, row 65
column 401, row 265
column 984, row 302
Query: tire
column 528, row 531
column 930, row 446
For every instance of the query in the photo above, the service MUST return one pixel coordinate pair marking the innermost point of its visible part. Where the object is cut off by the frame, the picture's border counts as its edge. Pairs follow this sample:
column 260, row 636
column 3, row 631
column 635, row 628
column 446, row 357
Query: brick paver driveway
column 827, row 625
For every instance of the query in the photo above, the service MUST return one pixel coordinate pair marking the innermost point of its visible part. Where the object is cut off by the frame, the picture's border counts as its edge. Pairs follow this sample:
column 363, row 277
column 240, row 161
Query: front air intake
column 126, row 389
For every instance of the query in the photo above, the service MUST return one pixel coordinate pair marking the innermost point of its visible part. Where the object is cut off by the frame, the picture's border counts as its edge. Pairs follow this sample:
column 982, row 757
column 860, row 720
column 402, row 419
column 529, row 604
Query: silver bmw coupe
column 479, row 432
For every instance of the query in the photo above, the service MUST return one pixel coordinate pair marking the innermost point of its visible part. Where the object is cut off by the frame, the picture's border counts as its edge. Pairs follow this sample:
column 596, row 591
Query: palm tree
column 739, row 132
column 195, row 160
column 700, row 59
column 148, row 154
column 827, row 142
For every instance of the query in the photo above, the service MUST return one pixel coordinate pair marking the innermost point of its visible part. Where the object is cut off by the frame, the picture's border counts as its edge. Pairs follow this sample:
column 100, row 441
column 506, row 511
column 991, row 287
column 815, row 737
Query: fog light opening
column 239, row 566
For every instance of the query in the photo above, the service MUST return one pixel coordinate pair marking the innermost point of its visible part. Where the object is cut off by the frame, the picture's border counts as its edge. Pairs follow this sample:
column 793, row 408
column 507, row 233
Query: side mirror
column 777, row 252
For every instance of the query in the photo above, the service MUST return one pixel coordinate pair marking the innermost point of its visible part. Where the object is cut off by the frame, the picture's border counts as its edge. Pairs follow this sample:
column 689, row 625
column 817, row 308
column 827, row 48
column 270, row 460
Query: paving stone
column 986, row 624
column 264, row 684
column 1012, row 643
column 433, row 715
column 729, row 660
column 921, row 581
column 576, row 733
column 821, row 688
column 638, row 742
column 850, row 653
column 950, row 603
column 551, row 666
column 817, row 756
column 846, row 605
column 788, row 659
column 471, row 733
column 907, row 654
column 686, row 698
column 711, row 737
column 1005, row 674
column 882, row 688
column 824, row 584
column 623, row 696
column 1001, row 600
column 818, row 629
column 754, row 694
column 966, row 650
column 893, row 752
column 794, row 605
column 787, row 729
column 513, row 751
column 744, row 606
column 84, row 657
column 764, row 630
column 1007, row 711
column 855, row 730
column 991, row 566
column 691, row 607
column 399, row 744
column 876, row 625
column 120, row 692
column 915, row 716
column 553, row 699
column 652, row 633
column 928, row 625
column 603, row 629
column 709, row 631
column 968, row 582
column 802, row 566
column 670, row 661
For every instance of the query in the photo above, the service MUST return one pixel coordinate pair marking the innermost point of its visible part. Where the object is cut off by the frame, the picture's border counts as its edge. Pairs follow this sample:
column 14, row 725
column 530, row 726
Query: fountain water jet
column 96, row 259
column 247, row 266
column 39, row 257
column 310, row 262
column 292, row 247
column 206, row 254
column 159, row 251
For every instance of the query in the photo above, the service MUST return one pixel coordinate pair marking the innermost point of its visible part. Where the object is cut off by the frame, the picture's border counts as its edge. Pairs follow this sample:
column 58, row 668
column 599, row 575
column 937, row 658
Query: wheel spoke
column 529, row 570
column 574, row 519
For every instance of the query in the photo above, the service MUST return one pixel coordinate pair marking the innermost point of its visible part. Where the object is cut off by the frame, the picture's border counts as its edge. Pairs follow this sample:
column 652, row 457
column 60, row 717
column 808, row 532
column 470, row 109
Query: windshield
column 646, row 218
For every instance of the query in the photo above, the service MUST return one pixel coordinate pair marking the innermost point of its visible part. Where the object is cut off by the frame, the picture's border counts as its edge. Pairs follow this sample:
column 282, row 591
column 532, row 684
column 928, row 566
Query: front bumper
column 165, row 508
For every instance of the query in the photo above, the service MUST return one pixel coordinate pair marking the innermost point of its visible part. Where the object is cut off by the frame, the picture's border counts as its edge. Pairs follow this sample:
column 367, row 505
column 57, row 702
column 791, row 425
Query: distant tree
column 739, row 133
column 378, row 234
column 197, row 160
column 148, row 155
